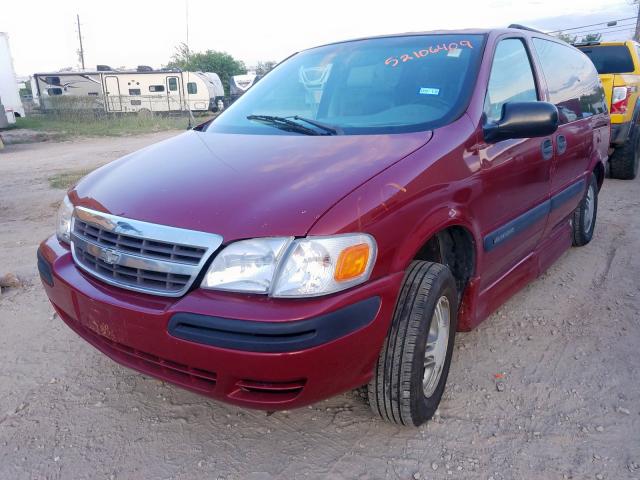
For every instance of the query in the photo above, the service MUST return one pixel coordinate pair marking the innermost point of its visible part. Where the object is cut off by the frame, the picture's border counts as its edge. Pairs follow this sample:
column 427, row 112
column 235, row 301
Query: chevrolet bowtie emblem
column 109, row 256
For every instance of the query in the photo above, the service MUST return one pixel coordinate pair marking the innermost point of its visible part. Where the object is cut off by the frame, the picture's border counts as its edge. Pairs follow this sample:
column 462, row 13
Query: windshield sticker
column 429, row 91
column 453, row 49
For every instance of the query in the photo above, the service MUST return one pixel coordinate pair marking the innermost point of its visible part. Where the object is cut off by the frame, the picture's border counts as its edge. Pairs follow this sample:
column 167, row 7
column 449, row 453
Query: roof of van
column 467, row 31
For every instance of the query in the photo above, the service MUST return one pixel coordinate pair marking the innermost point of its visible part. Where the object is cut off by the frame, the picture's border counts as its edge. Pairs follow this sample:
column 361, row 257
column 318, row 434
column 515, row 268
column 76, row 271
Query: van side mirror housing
column 523, row 120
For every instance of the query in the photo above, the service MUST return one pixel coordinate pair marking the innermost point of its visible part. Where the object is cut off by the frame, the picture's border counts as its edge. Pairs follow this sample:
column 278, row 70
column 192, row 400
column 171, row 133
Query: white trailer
column 128, row 91
column 9, row 91
column 238, row 84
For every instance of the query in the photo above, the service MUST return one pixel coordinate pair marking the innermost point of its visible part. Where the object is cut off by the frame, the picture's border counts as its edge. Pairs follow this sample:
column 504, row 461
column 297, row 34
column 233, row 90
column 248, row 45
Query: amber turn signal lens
column 352, row 262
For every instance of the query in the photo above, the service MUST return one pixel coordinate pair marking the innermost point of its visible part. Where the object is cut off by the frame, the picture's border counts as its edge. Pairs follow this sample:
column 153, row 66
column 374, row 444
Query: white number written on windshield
column 452, row 49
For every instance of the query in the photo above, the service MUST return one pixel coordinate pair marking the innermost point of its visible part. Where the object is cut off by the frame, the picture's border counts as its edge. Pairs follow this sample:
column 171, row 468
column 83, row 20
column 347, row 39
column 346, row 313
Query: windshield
column 381, row 85
column 610, row 58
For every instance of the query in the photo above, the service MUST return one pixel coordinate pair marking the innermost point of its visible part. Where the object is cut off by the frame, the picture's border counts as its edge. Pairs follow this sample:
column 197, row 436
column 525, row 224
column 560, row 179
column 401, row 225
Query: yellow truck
column 618, row 64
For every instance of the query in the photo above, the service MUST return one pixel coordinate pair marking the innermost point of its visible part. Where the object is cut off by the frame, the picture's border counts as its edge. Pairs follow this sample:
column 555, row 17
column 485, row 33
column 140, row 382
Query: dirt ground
column 547, row 388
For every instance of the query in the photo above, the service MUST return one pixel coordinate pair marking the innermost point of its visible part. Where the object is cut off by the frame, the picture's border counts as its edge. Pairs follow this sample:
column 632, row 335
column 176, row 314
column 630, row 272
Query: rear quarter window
column 610, row 58
column 572, row 80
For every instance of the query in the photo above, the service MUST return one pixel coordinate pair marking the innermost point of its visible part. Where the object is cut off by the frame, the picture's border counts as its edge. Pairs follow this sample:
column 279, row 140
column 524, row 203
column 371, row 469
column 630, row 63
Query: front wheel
column 584, row 217
column 413, row 365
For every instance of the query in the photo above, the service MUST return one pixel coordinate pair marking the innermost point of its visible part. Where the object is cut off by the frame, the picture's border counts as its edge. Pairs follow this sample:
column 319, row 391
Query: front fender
column 428, row 226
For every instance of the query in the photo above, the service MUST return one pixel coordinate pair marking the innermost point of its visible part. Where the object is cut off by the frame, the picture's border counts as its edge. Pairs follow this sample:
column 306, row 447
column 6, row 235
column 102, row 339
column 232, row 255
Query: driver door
column 515, row 173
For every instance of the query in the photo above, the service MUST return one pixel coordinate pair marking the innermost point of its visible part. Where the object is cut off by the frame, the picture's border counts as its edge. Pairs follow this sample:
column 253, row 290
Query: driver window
column 511, row 78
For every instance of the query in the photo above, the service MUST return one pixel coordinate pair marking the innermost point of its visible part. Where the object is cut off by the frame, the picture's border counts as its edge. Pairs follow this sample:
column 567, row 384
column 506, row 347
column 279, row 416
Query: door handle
column 561, row 144
column 547, row 149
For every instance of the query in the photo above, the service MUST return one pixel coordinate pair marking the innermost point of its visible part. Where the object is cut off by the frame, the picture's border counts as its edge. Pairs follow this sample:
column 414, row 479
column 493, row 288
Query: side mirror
column 523, row 120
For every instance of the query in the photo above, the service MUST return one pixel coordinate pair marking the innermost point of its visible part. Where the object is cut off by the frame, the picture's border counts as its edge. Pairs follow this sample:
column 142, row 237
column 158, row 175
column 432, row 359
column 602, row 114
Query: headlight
column 317, row 266
column 246, row 266
column 63, row 229
column 283, row 267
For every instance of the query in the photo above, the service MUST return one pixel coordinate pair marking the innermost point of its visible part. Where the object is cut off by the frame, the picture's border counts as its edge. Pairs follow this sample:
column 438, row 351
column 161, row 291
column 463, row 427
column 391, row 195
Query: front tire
column 584, row 217
column 413, row 365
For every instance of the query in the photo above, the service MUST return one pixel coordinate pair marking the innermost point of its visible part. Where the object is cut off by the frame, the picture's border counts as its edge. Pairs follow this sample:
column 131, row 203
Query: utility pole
column 636, row 35
column 81, row 51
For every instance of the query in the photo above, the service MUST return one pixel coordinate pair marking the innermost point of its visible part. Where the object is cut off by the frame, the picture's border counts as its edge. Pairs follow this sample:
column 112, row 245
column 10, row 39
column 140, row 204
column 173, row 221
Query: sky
column 44, row 37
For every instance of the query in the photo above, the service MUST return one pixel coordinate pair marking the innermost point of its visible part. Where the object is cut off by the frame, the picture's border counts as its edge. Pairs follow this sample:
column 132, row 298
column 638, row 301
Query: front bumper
column 219, row 360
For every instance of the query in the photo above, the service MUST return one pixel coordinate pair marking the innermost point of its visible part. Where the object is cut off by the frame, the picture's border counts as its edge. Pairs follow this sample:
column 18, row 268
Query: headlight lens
column 283, row 267
column 318, row 266
column 63, row 229
column 246, row 266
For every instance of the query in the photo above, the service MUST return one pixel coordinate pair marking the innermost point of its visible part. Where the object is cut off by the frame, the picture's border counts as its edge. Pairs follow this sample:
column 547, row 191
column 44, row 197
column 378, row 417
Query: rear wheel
column 623, row 163
column 145, row 113
column 584, row 217
column 413, row 365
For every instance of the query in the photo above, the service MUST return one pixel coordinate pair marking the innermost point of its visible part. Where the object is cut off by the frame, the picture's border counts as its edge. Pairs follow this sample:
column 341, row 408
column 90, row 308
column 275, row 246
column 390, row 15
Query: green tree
column 262, row 68
column 566, row 37
column 592, row 37
column 209, row 61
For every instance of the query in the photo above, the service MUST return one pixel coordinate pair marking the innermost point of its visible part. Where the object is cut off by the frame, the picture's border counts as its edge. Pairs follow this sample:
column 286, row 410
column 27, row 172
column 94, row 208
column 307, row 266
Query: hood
column 241, row 186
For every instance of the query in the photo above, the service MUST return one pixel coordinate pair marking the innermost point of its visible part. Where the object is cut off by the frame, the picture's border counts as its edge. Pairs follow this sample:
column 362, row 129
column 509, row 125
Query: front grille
column 139, row 256
column 134, row 277
column 140, row 246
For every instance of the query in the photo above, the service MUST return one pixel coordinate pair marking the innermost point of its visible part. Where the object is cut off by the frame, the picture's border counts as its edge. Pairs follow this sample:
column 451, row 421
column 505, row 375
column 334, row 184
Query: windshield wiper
column 283, row 124
column 331, row 129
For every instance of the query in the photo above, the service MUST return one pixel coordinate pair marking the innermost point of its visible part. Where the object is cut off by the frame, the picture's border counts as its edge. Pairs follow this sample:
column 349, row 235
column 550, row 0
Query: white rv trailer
column 9, row 91
column 128, row 91
column 238, row 84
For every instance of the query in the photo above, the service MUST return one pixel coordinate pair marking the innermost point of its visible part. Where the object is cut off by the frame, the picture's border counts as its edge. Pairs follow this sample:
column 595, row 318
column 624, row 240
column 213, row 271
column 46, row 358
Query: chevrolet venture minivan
column 340, row 222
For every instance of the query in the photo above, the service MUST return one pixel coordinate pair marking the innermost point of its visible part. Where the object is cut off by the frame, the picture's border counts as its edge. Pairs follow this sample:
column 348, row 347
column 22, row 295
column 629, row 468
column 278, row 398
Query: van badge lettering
column 503, row 236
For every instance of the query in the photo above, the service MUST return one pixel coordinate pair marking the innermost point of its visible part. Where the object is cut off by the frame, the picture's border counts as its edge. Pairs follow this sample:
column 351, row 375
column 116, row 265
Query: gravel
column 566, row 347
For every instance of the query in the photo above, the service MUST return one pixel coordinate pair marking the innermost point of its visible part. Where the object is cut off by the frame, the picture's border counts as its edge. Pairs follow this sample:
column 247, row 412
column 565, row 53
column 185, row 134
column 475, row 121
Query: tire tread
column 389, row 390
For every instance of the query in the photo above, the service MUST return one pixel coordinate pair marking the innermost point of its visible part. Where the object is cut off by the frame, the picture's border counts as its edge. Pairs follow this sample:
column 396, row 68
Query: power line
column 618, row 30
column 603, row 29
column 636, row 33
column 592, row 25
column 584, row 34
column 603, row 32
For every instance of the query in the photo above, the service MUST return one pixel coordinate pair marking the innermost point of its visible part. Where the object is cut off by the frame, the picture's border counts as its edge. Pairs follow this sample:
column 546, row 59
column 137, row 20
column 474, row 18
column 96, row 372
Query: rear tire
column 624, row 160
column 413, row 365
column 145, row 113
column 584, row 217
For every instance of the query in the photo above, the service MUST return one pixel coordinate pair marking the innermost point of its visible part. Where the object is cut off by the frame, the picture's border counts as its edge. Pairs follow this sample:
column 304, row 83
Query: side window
column 511, row 78
column 192, row 88
column 54, row 91
column 173, row 84
column 156, row 88
column 574, row 86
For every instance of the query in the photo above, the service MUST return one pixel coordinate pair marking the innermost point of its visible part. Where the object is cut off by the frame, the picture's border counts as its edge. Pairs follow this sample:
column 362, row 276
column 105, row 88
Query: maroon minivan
column 339, row 223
